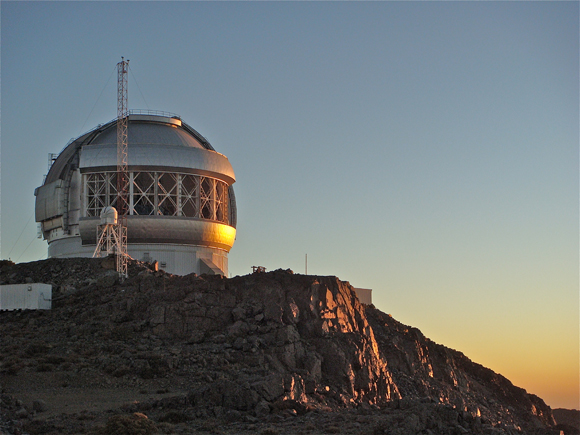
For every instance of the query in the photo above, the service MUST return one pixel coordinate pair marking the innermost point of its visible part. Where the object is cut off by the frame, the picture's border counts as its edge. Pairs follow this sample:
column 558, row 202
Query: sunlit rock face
column 259, row 344
column 424, row 370
column 312, row 329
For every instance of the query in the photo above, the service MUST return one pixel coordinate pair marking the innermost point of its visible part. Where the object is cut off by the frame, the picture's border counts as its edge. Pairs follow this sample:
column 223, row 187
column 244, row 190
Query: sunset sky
column 426, row 150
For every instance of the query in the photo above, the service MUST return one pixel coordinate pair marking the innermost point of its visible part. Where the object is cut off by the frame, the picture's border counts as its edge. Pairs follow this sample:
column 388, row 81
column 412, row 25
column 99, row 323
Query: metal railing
column 154, row 112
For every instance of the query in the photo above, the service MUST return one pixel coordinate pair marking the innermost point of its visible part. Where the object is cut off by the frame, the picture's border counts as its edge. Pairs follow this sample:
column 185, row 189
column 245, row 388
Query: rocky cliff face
column 568, row 420
column 251, row 347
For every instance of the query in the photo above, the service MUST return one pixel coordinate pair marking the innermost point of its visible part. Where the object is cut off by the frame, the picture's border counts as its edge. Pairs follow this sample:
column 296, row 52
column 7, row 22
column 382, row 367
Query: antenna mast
column 112, row 232
column 122, row 164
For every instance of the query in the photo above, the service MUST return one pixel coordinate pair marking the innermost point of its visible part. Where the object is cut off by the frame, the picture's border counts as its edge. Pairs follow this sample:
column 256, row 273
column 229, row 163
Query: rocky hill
column 270, row 353
column 568, row 420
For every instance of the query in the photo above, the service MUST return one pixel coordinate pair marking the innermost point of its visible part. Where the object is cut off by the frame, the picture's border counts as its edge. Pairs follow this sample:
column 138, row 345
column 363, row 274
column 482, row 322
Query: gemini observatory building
column 181, row 204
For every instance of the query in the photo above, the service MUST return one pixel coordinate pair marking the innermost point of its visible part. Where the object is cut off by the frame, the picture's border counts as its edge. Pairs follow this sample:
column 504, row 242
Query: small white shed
column 34, row 296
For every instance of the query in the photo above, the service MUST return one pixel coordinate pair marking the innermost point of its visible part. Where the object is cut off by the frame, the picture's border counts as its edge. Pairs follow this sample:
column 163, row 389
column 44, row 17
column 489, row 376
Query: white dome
column 180, row 194
column 109, row 216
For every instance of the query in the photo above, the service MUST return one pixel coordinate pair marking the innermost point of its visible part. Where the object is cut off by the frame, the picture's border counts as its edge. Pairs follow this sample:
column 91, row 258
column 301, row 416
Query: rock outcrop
column 246, row 349
column 568, row 420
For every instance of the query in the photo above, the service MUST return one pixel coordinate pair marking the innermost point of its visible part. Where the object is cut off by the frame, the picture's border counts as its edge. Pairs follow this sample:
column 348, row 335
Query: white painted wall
column 35, row 296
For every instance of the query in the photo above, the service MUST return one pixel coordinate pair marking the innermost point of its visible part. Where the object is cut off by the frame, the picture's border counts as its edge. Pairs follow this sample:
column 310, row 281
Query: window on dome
column 207, row 193
column 167, row 194
column 189, row 195
column 143, row 192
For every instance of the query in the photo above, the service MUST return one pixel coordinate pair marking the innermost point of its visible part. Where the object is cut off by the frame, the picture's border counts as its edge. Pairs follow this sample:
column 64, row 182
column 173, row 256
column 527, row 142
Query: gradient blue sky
column 428, row 151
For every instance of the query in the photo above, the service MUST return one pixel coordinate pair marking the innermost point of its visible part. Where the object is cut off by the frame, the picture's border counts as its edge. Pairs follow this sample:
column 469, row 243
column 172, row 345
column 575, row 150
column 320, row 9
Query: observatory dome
column 182, row 208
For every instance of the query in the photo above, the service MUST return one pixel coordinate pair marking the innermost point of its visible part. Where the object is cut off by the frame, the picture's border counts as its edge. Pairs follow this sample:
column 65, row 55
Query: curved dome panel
column 167, row 157
column 141, row 229
column 148, row 133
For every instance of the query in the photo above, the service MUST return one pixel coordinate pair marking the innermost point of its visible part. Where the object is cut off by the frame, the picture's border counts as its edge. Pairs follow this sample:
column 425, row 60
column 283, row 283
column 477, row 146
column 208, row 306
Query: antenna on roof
column 112, row 233
column 122, row 163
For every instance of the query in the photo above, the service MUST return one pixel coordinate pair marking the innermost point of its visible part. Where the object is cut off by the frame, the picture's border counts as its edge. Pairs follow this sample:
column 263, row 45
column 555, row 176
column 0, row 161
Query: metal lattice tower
column 122, row 164
column 112, row 232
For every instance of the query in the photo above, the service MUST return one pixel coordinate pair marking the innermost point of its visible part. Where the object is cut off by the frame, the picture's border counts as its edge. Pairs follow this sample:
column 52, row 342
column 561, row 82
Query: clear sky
column 426, row 150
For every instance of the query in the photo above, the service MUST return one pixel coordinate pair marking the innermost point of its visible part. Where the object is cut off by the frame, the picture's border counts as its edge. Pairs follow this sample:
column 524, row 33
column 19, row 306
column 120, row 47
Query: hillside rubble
column 270, row 353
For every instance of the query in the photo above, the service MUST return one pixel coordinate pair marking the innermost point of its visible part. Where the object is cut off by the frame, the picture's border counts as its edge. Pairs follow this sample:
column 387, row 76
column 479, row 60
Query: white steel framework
column 109, row 238
column 161, row 194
